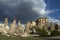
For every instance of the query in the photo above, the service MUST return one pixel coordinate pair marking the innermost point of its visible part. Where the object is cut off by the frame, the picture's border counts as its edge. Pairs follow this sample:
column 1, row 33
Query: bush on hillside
column 43, row 32
column 55, row 33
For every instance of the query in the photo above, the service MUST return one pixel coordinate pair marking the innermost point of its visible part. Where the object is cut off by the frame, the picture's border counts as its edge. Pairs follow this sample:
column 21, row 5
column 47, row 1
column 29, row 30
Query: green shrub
column 55, row 33
column 43, row 32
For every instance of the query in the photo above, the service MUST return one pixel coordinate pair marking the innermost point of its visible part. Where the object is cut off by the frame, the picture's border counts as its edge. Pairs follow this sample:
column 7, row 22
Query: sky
column 28, row 10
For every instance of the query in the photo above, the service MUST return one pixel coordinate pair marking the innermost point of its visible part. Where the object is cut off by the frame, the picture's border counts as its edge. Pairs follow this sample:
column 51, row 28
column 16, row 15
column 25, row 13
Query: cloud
column 39, row 6
column 25, row 10
column 51, row 19
column 19, row 9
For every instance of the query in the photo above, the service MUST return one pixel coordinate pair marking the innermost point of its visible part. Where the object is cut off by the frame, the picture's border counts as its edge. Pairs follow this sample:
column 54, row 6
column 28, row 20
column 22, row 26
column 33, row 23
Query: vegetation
column 55, row 33
column 18, row 38
column 43, row 33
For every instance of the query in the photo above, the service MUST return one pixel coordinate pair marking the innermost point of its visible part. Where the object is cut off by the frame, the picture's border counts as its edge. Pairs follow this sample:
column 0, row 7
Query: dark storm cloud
column 25, row 10
column 17, row 9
